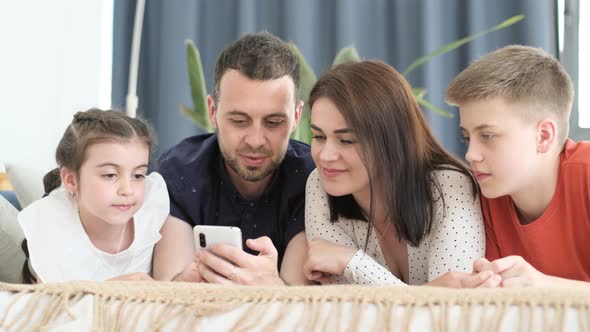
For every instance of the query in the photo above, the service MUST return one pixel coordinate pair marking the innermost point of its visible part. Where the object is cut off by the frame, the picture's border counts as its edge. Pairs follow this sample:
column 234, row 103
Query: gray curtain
column 394, row 31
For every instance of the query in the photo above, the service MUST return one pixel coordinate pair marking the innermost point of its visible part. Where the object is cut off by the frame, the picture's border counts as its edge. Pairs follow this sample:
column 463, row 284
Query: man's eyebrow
column 278, row 115
column 236, row 112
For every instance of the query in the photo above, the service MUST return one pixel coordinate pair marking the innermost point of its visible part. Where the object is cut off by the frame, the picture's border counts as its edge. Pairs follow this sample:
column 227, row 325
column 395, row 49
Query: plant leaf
column 426, row 104
column 307, row 80
column 347, row 54
column 192, row 115
column 419, row 92
column 198, row 88
column 451, row 46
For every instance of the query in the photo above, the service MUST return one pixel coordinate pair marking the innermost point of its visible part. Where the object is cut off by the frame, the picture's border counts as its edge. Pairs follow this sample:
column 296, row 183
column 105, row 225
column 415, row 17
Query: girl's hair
column 396, row 146
column 88, row 128
column 92, row 127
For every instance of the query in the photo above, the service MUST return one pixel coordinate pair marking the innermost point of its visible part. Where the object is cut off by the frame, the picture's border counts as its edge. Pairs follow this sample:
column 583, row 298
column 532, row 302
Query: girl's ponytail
column 51, row 180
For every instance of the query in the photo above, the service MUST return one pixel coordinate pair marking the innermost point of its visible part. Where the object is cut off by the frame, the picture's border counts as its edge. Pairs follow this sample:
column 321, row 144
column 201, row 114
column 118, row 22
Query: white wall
column 50, row 67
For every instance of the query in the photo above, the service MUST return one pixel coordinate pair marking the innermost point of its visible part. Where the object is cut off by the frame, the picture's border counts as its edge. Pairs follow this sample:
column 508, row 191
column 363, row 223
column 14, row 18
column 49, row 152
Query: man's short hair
column 518, row 74
column 258, row 56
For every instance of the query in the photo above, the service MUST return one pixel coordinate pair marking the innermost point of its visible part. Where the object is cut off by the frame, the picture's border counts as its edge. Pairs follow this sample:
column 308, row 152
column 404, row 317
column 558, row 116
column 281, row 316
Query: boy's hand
column 514, row 270
column 454, row 279
column 483, row 279
column 325, row 258
column 229, row 265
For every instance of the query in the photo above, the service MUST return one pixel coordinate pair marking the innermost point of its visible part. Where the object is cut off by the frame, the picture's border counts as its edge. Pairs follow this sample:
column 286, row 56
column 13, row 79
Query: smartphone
column 206, row 236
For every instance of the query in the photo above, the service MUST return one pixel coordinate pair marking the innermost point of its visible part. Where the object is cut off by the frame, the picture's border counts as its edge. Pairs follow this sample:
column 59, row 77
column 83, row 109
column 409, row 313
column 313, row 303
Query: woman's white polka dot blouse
column 457, row 237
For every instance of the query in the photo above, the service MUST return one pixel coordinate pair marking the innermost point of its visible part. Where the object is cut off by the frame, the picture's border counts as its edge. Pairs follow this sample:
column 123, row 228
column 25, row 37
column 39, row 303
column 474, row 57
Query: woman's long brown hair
column 396, row 145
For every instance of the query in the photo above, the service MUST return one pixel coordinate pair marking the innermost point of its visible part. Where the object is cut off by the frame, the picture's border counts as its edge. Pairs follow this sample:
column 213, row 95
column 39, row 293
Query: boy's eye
column 346, row 141
column 464, row 139
column 109, row 176
column 487, row 137
column 139, row 176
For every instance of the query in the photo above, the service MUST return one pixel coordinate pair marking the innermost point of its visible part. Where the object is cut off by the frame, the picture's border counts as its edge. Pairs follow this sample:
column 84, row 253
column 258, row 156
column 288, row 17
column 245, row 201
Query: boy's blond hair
column 518, row 74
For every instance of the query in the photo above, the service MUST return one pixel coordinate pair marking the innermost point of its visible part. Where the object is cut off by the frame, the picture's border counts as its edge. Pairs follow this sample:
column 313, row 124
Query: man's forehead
column 256, row 98
column 234, row 75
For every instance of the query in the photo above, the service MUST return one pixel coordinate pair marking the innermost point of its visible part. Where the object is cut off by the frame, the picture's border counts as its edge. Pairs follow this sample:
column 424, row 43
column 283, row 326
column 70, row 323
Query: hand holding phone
column 206, row 236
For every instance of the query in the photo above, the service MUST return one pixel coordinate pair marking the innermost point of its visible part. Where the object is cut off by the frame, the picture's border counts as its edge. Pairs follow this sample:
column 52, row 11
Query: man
column 248, row 174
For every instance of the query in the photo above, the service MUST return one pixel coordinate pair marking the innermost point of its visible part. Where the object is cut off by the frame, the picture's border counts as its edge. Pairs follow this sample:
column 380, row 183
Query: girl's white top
column 60, row 250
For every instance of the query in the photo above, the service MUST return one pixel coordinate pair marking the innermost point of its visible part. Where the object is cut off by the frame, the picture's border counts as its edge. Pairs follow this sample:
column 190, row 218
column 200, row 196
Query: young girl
column 386, row 204
column 104, row 218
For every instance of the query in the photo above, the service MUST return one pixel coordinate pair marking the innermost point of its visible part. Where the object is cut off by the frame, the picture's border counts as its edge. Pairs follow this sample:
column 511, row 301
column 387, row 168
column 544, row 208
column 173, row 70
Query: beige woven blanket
column 119, row 306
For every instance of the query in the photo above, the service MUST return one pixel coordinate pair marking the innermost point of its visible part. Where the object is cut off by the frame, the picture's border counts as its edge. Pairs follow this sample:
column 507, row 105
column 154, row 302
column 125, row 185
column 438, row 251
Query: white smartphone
column 206, row 236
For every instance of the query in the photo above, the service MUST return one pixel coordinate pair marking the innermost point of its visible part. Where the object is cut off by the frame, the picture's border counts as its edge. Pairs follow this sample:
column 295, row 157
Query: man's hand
column 225, row 264
column 514, row 271
column 325, row 258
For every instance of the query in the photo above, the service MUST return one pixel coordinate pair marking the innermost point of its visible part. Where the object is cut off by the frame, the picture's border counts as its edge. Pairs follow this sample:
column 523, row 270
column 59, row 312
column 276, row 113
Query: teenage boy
column 515, row 106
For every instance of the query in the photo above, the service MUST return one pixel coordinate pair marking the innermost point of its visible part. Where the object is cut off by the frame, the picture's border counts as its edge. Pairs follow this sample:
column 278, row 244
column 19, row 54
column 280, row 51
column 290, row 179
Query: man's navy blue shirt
column 201, row 192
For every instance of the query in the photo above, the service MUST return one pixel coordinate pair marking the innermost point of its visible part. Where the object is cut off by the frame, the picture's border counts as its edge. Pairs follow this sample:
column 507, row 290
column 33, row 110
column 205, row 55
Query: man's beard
column 252, row 173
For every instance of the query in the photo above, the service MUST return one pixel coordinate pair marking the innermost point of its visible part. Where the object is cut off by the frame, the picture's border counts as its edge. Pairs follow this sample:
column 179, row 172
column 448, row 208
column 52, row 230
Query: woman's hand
column 325, row 258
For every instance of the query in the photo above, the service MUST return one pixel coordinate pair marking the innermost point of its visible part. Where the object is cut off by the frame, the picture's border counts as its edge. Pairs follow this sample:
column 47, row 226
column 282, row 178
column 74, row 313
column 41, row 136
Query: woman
column 387, row 204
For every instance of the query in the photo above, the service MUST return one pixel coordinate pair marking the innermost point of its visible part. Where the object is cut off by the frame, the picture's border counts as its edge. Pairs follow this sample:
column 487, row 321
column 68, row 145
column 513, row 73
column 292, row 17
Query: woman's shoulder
column 450, row 174
column 450, row 181
column 455, row 195
column 453, row 186
column 314, row 193
column 314, row 186
column 314, row 177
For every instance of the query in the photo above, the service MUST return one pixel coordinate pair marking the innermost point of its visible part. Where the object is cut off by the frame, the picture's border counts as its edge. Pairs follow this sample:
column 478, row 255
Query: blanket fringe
column 120, row 306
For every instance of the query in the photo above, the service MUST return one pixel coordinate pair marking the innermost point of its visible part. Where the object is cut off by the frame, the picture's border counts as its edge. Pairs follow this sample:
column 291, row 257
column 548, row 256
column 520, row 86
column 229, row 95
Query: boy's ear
column 546, row 135
column 69, row 180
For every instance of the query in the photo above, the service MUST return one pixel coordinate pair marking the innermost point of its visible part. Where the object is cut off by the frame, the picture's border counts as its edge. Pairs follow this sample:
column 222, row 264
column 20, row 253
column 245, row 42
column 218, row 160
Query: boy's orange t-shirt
column 558, row 243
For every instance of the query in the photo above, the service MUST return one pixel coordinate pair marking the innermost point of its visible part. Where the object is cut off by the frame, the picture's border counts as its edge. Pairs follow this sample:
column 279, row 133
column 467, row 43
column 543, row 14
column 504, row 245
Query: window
column 584, row 65
column 573, row 17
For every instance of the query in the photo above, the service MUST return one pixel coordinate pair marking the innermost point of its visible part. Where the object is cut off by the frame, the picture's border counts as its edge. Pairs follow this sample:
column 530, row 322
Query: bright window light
column 584, row 66
column 560, row 23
